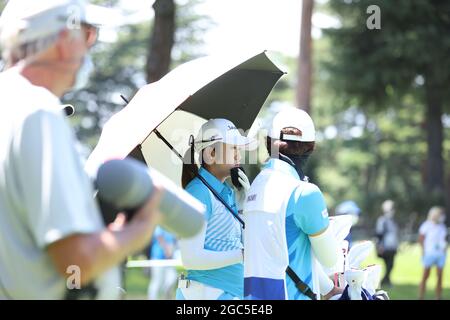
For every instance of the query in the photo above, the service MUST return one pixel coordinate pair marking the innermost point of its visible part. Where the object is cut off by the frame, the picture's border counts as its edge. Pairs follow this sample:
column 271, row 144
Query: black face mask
column 235, row 177
column 297, row 161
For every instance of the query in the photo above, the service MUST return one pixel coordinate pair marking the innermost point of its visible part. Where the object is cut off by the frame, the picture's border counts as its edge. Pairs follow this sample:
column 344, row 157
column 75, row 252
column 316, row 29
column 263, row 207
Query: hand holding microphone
column 239, row 178
column 127, row 185
column 241, row 183
column 148, row 213
column 243, row 180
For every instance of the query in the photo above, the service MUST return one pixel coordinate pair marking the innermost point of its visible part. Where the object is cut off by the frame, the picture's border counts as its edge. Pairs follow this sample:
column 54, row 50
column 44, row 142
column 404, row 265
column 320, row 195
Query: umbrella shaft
column 168, row 144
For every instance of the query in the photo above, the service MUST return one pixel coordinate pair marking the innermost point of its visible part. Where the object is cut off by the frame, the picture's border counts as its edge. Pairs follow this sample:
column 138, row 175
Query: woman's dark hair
column 190, row 169
column 289, row 147
column 188, row 174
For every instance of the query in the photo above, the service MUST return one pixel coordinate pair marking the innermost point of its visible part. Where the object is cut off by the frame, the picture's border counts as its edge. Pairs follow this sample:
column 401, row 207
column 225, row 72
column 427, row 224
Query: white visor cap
column 293, row 118
column 221, row 130
column 25, row 21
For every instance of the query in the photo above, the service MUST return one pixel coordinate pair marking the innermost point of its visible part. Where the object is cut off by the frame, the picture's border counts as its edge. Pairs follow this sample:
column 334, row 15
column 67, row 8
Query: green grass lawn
column 136, row 283
column 406, row 277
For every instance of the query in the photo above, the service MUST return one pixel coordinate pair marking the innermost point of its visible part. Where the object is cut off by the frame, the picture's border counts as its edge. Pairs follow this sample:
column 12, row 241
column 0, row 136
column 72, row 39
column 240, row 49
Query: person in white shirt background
column 432, row 238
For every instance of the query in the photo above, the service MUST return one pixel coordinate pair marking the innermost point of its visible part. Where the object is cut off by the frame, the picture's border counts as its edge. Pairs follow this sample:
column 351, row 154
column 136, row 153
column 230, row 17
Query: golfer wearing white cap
column 286, row 217
column 50, row 227
column 214, row 257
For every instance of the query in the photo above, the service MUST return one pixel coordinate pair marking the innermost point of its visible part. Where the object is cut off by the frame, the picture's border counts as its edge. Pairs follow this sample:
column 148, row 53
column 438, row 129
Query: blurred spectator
column 163, row 278
column 351, row 208
column 387, row 239
column 432, row 238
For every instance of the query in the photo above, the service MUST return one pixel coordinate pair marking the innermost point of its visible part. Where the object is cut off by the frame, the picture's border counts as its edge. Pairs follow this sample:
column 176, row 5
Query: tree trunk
column 162, row 40
column 434, row 179
column 304, row 60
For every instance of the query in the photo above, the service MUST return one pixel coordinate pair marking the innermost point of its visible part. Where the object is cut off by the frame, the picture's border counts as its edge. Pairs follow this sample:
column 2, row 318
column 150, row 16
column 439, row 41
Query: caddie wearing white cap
column 53, row 243
column 214, row 257
column 286, row 217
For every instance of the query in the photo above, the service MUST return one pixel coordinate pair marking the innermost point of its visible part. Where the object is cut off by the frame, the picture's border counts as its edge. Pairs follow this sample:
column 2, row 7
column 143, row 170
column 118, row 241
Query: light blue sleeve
column 310, row 210
column 199, row 191
column 168, row 237
column 161, row 232
column 158, row 231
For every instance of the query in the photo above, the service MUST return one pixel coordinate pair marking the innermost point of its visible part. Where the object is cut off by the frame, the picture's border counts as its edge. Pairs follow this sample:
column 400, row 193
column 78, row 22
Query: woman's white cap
column 293, row 118
column 221, row 130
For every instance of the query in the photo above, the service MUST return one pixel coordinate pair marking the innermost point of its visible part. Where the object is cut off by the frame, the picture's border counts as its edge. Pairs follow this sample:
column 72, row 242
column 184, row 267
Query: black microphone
column 127, row 184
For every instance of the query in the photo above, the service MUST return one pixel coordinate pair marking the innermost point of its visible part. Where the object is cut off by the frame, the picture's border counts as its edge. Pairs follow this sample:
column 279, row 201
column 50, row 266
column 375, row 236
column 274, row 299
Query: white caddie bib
column 266, row 252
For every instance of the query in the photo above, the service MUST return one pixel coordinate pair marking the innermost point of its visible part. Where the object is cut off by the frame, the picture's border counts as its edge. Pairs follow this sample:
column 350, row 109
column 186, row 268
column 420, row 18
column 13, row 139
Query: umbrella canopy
column 178, row 104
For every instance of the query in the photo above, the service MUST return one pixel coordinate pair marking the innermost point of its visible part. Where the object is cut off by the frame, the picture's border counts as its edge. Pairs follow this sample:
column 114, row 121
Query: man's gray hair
column 27, row 50
column 30, row 27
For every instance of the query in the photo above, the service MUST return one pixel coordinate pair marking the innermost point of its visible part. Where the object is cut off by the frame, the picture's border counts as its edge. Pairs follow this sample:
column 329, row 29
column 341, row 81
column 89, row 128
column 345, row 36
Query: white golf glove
column 244, row 180
column 241, row 194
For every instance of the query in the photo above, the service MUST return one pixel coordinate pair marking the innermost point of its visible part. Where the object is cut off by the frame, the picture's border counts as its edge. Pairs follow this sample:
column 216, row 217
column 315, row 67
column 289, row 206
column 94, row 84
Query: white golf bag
column 358, row 283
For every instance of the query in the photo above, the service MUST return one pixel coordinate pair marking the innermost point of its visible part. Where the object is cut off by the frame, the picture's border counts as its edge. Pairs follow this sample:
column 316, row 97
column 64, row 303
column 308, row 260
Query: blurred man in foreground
column 50, row 226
